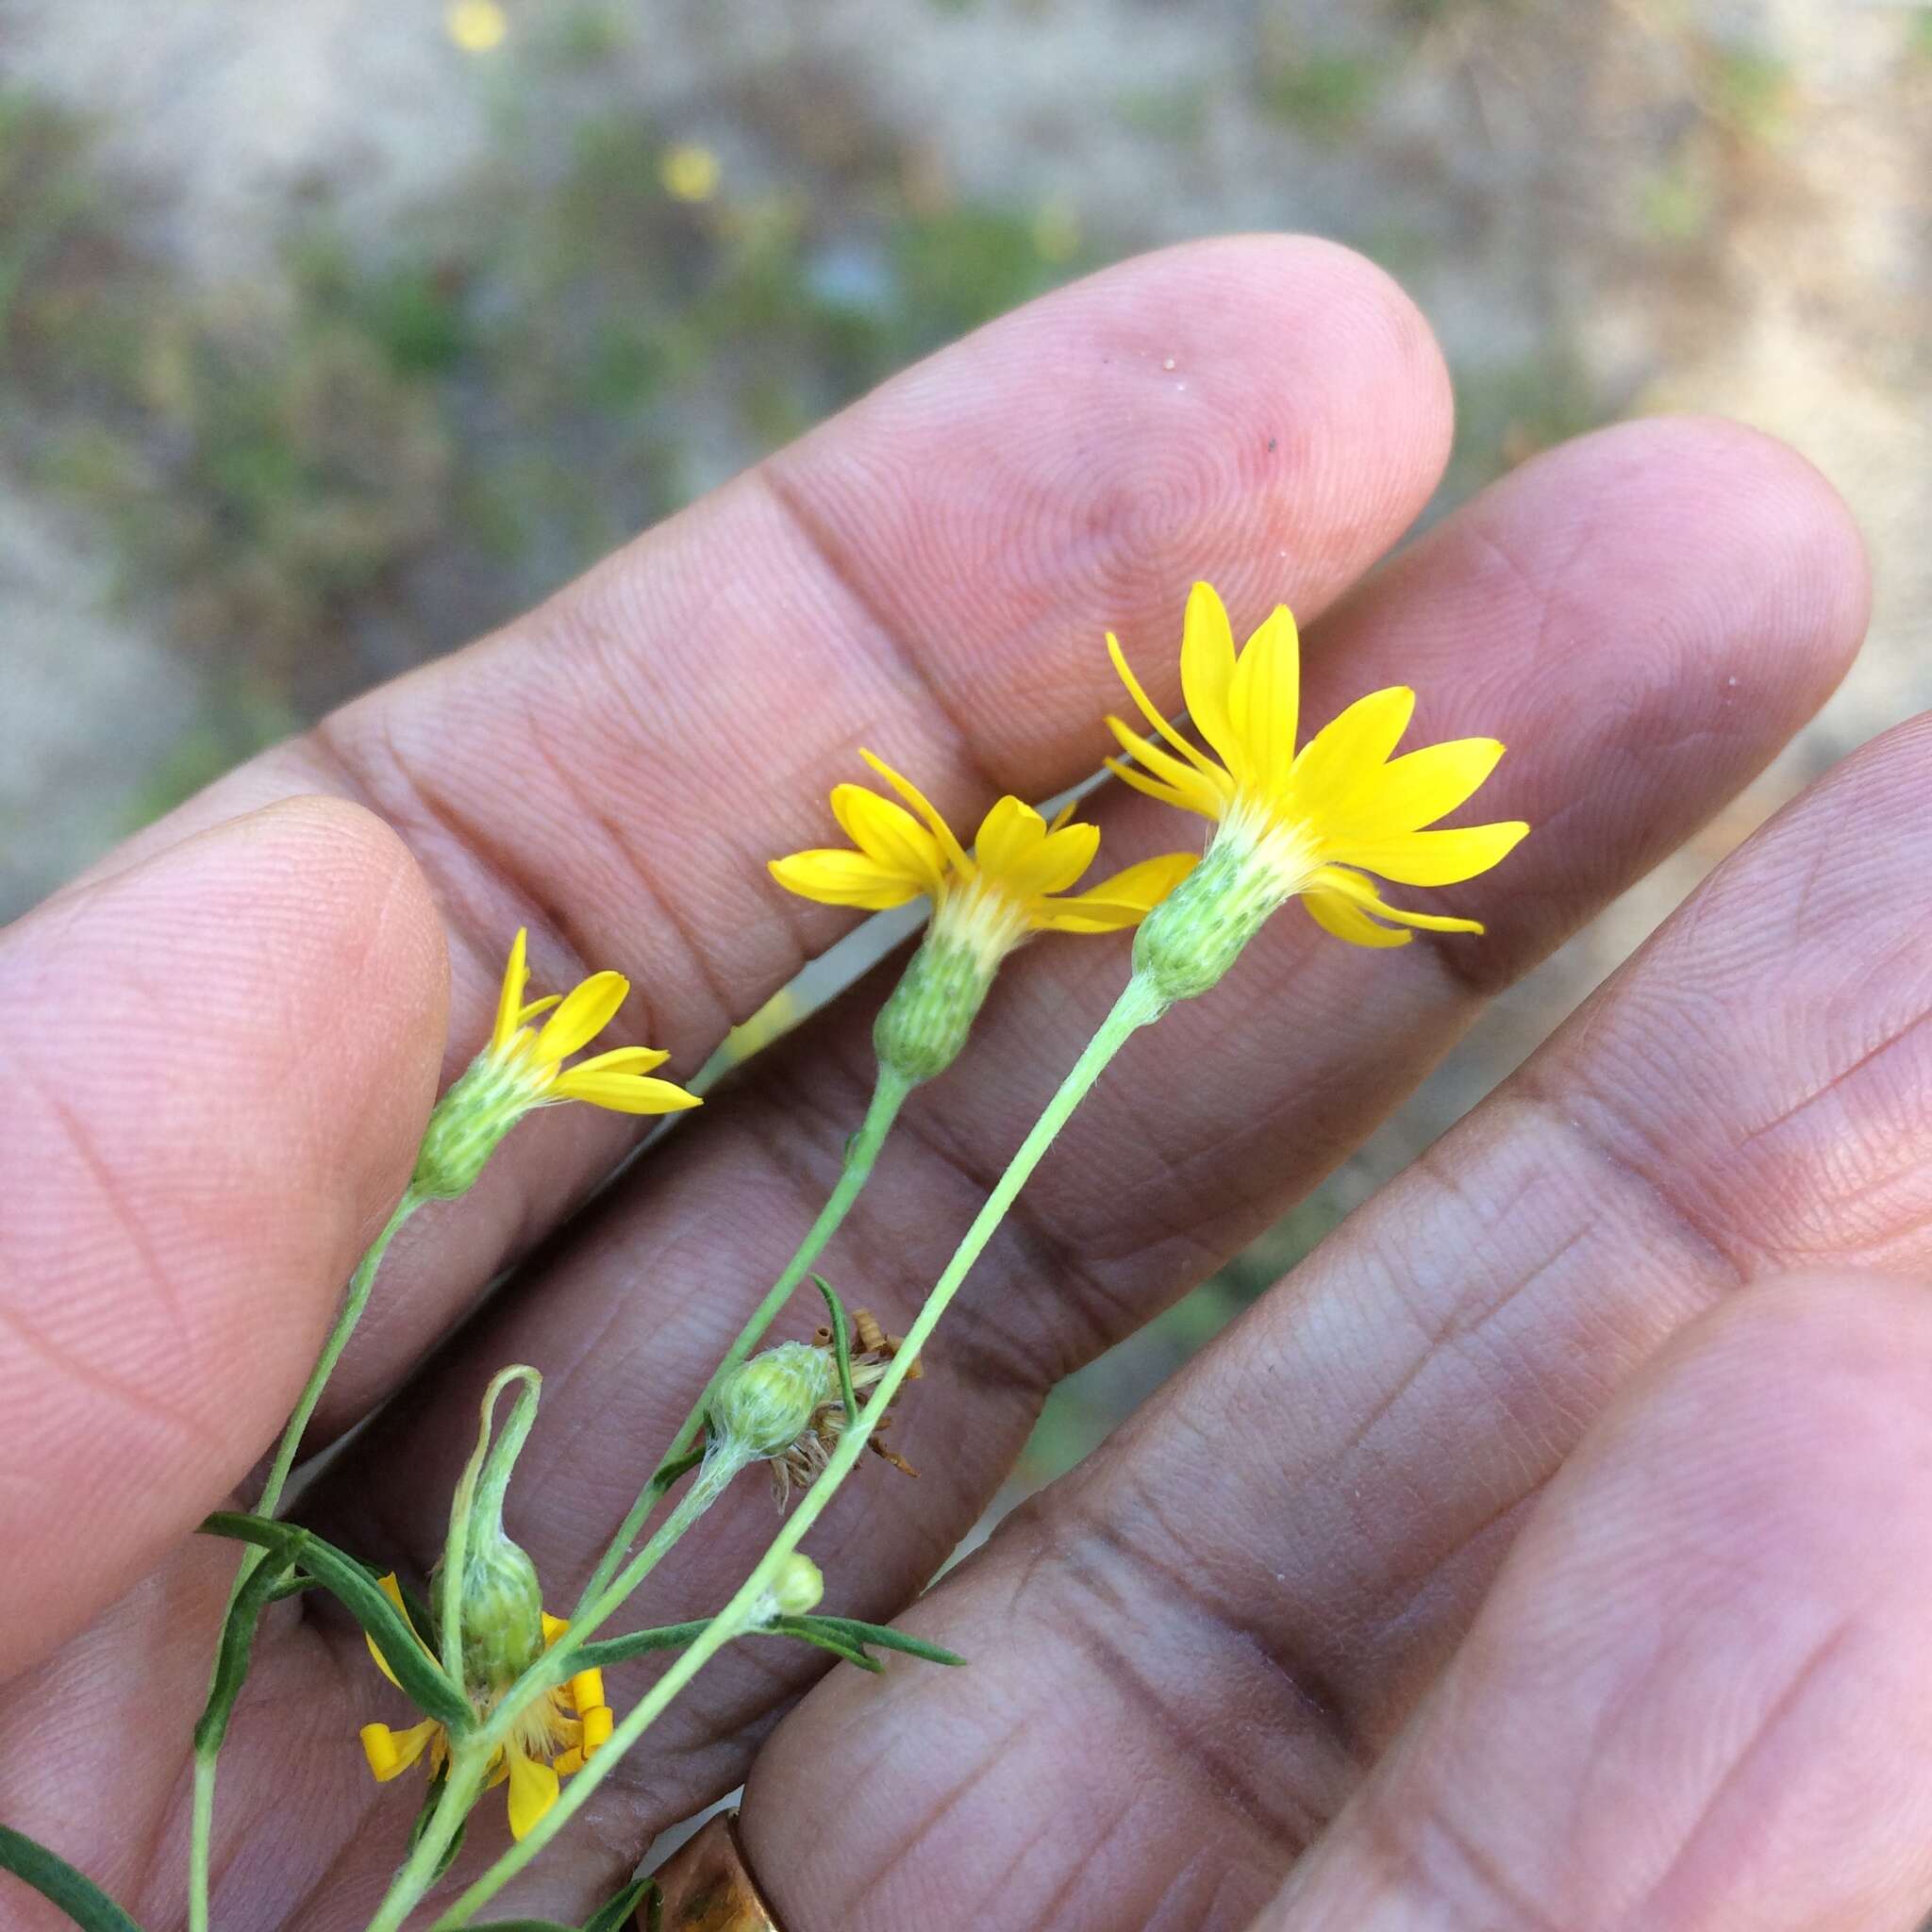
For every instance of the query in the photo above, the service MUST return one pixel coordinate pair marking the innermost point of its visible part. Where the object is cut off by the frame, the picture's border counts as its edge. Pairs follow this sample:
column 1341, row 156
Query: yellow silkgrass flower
column 1013, row 884
column 522, row 1068
column 555, row 1734
column 1306, row 825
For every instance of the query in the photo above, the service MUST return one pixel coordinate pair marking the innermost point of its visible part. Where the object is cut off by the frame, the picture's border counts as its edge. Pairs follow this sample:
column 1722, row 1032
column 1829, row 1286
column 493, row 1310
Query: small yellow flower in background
column 555, row 1735
column 690, row 171
column 522, row 1069
column 1014, row 883
column 477, row 26
column 1310, row 824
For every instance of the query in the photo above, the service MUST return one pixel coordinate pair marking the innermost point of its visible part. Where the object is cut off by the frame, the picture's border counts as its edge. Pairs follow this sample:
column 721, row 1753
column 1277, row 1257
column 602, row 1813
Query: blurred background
column 333, row 333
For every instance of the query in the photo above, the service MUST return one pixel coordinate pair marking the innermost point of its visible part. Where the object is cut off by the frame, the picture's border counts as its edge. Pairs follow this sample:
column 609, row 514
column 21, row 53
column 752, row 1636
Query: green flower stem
column 1139, row 1006
column 713, row 1477
column 888, row 1096
column 200, row 1829
column 469, row 1766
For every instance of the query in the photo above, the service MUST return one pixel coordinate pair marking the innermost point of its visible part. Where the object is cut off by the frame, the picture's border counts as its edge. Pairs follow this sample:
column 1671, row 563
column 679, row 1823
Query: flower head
column 1313, row 822
column 522, row 1068
column 555, row 1734
column 1013, row 884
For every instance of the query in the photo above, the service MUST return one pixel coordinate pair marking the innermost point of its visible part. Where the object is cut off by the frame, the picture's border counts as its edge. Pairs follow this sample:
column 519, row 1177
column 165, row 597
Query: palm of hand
column 1505, row 1566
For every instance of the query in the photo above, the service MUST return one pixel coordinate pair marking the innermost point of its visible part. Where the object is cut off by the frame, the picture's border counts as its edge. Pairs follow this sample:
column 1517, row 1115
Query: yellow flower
column 690, row 171
column 522, row 1068
column 1311, row 822
column 477, row 26
column 1013, row 884
column 554, row 1736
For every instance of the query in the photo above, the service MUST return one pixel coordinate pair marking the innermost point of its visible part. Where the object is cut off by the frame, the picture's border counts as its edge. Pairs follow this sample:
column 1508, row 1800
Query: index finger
column 929, row 572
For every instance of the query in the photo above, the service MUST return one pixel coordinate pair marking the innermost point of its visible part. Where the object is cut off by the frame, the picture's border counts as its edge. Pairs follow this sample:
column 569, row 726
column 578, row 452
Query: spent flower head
column 555, row 1734
column 522, row 1068
column 1309, row 823
column 1015, row 882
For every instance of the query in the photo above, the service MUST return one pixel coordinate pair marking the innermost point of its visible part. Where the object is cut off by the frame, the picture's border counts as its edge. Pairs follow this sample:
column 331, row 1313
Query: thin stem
column 202, row 1831
column 201, row 1836
column 1137, row 1006
column 468, row 1765
column 713, row 1477
column 888, row 1096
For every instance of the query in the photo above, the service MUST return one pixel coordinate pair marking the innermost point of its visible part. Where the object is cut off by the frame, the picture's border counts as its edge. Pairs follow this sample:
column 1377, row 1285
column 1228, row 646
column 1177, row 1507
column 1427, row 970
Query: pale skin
column 1550, row 1550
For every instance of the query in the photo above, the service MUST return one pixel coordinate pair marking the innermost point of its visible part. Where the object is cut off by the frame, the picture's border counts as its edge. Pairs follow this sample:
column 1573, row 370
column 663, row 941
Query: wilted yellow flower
column 555, row 1734
column 1310, row 824
column 522, row 1069
column 1013, row 883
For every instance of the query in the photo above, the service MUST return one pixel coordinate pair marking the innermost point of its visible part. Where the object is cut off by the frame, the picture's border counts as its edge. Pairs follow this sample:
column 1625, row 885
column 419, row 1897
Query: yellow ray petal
column 1347, row 921
column 1125, row 899
column 554, row 1627
column 1417, row 790
column 834, row 876
column 1433, row 859
column 1009, row 835
column 1361, row 892
column 622, row 1060
column 393, row 1590
column 1345, row 754
column 888, row 833
column 955, row 852
column 536, row 1007
column 532, row 1792
column 1154, row 787
column 586, row 1009
column 1060, row 859
column 624, row 1092
column 587, row 1691
column 1196, row 791
column 392, row 1753
column 1207, row 668
column 1146, row 706
column 1264, row 703
column 516, row 975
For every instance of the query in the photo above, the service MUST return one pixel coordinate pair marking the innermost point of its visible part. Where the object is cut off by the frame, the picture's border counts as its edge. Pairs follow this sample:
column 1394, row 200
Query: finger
column 1254, row 1101
column 1700, row 1695
column 1289, row 1543
column 218, row 1062
column 929, row 572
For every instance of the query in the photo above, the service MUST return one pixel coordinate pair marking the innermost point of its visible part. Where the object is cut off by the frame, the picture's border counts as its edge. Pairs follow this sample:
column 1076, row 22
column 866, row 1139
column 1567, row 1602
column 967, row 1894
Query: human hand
column 1268, row 1618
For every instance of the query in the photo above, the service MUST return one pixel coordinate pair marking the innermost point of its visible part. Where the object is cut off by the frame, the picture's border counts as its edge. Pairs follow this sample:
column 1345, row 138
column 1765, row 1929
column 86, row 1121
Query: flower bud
column 502, row 1610
column 764, row 1405
column 798, row 1586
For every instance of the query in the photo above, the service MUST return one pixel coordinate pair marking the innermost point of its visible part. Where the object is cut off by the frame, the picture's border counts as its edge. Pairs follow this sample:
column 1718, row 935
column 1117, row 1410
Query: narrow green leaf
column 841, row 1346
column 521, row 1925
column 431, row 1798
column 350, row 1583
column 850, row 1630
column 668, row 1472
column 618, row 1649
column 57, row 1881
column 615, row 1914
column 237, row 1640
column 822, row 1639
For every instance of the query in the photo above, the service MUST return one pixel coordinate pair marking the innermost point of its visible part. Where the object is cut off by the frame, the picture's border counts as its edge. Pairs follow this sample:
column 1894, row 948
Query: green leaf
column 57, row 1881
column 834, row 1632
column 669, row 1471
column 264, row 1585
column 351, row 1585
column 615, row 1914
column 842, row 1346
column 618, row 1649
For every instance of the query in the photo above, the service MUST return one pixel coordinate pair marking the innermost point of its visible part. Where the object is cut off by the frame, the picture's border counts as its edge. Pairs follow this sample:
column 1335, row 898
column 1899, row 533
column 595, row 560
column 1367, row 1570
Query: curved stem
column 1139, row 1006
column 202, row 1829
column 888, row 1096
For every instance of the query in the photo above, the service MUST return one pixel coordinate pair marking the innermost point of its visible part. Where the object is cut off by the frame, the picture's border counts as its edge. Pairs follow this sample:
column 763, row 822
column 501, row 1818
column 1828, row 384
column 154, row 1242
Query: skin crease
column 1644, row 615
